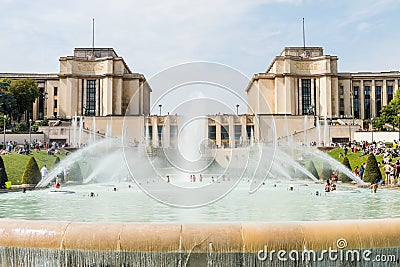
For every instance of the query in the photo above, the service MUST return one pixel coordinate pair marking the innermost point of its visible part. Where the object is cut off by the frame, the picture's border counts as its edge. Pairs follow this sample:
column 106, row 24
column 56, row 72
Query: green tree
column 3, row 173
column 389, row 113
column 21, row 127
column 372, row 172
column 75, row 173
column 8, row 104
column 25, row 92
column 311, row 168
column 342, row 176
column 31, row 173
column 326, row 172
column 4, row 84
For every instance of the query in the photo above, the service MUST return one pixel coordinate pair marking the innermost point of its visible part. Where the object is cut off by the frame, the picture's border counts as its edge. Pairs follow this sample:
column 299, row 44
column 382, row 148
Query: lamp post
column 372, row 129
column 398, row 115
column 48, row 137
column 160, row 106
column 30, row 133
column 4, row 132
column 237, row 109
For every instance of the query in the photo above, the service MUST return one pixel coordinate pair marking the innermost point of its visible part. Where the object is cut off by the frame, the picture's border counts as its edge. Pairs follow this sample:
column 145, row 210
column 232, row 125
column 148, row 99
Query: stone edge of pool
column 200, row 237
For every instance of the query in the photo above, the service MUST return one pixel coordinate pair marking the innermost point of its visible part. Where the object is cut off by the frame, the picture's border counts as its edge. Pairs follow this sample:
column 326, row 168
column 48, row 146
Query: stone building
column 92, row 82
column 304, row 81
column 300, row 93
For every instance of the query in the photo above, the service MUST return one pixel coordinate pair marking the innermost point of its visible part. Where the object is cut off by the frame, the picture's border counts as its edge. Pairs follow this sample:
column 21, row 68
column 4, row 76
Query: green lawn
column 356, row 159
column 15, row 163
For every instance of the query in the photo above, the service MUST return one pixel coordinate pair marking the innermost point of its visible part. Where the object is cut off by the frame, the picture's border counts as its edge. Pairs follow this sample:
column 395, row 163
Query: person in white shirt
column 44, row 171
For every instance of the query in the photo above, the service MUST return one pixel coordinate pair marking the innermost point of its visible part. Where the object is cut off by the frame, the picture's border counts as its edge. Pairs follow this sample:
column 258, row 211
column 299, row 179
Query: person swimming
column 328, row 186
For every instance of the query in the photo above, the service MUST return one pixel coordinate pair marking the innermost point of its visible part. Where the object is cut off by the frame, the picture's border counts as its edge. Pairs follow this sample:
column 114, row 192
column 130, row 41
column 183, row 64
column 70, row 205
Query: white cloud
column 364, row 10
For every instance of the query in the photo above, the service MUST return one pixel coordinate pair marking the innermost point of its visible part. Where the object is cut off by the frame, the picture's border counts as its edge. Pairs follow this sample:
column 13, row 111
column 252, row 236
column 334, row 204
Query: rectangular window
column 341, row 103
column 55, row 103
column 367, row 102
column 341, row 90
column 224, row 132
column 356, row 107
column 249, row 131
column 150, row 132
column 238, row 132
column 160, row 132
column 212, row 132
column 341, row 107
column 306, row 96
column 55, row 91
column 91, row 98
column 378, row 100
column 42, row 101
column 389, row 93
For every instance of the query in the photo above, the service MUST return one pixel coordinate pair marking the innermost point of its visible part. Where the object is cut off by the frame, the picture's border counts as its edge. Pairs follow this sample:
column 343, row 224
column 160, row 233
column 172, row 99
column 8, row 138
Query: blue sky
column 153, row 35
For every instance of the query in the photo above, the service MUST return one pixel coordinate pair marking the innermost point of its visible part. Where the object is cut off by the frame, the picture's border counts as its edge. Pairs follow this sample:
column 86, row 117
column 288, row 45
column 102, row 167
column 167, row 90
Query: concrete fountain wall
column 50, row 243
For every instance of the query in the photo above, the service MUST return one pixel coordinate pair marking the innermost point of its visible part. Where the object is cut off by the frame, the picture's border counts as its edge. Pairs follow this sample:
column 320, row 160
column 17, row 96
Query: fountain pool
column 272, row 202
column 69, row 228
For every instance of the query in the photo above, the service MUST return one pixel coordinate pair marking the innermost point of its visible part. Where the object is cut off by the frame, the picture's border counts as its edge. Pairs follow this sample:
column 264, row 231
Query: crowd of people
column 390, row 165
column 26, row 148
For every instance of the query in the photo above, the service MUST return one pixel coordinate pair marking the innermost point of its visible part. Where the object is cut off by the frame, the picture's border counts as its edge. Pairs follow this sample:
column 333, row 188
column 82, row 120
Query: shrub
column 326, row 172
column 75, row 173
column 31, row 173
column 35, row 127
column 21, row 127
column 342, row 176
column 44, row 122
column 3, row 173
column 311, row 168
column 372, row 172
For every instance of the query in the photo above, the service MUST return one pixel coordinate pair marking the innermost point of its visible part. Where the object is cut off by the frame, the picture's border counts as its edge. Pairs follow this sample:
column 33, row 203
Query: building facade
column 92, row 82
column 303, row 81
column 300, row 92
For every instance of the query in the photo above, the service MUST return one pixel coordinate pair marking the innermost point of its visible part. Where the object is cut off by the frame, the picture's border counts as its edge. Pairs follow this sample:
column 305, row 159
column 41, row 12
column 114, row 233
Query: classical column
column 396, row 86
column 108, row 96
column 276, row 97
column 384, row 93
column 79, row 106
column 118, row 96
column 141, row 85
column 35, row 109
column 231, row 131
column 84, row 96
column 300, row 100
column 317, row 98
column 361, row 93
column 373, row 99
column 218, row 131
column 243, row 121
column 155, row 132
column 288, row 95
column 312, row 94
column 167, row 132
column 296, row 97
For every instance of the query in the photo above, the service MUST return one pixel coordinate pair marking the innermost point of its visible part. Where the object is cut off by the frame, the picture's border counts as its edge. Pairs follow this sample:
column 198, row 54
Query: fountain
column 251, row 200
column 326, row 132
column 305, row 142
column 318, row 125
column 80, row 133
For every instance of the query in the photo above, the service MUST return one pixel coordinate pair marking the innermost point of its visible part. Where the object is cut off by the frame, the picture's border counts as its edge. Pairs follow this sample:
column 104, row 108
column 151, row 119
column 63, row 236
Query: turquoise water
column 273, row 202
